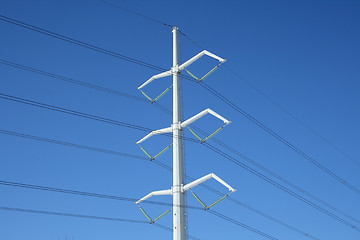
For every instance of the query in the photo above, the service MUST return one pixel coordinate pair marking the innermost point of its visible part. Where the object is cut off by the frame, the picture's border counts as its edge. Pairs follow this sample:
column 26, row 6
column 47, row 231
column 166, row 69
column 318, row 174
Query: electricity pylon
column 179, row 188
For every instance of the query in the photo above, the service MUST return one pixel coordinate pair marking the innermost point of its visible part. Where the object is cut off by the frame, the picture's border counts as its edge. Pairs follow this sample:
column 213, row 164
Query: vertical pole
column 179, row 217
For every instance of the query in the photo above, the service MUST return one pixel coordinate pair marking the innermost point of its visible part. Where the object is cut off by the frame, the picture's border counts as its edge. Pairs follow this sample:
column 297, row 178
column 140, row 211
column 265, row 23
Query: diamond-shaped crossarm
column 153, row 133
column 154, row 193
column 195, row 58
column 179, row 69
column 189, row 186
column 160, row 75
column 200, row 115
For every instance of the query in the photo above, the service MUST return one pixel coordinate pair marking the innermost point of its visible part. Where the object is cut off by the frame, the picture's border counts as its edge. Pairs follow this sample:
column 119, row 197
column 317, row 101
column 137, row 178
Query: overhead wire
column 241, row 224
column 77, row 42
column 281, row 187
column 63, row 214
column 29, row 28
column 281, row 139
column 51, row 107
column 88, row 194
column 37, row 187
column 302, row 123
column 97, row 87
column 283, row 109
column 71, row 215
column 84, row 115
column 81, row 83
column 71, row 80
column 135, row 13
column 84, row 147
column 204, row 85
column 293, row 185
column 74, row 145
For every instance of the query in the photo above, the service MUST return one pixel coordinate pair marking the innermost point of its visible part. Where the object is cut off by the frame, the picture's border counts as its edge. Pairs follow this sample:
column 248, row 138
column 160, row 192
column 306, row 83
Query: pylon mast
column 179, row 189
column 179, row 211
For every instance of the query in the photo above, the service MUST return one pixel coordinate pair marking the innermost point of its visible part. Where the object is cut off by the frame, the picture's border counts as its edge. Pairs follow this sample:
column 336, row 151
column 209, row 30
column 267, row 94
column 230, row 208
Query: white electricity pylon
column 179, row 188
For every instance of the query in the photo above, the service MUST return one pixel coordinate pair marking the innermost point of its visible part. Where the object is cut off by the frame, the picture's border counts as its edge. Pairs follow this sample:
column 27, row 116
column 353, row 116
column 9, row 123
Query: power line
column 147, row 18
column 71, row 215
column 81, row 83
column 84, row 115
column 301, row 190
column 68, row 144
column 283, row 109
column 86, row 45
column 281, row 139
column 221, row 97
column 302, row 123
column 194, row 140
column 241, row 224
column 71, row 112
column 46, row 32
column 80, row 43
column 274, row 134
column 88, row 194
column 269, row 180
column 71, row 80
column 161, row 165
column 23, row 210
column 136, row 13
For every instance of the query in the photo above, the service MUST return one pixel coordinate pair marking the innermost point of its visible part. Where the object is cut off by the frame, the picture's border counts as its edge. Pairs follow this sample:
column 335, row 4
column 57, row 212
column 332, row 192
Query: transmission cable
column 88, row 194
column 26, row 136
column 283, row 109
column 281, row 139
column 86, row 216
column 80, row 43
column 73, row 41
column 204, row 85
column 51, row 107
column 84, row 115
column 194, row 140
column 283, row 188
column 301, row 190
column 81, row 83
column 135, row 13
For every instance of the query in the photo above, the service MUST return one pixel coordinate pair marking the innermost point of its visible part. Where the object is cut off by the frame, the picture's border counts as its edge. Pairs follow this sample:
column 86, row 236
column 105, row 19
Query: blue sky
column 304, row 55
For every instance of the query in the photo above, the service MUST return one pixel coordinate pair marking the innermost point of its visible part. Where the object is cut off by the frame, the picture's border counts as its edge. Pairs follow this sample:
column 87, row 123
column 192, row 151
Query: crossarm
column 199, row 55
column 160, row 75
column 200, row 115
column 204, row 179
column 155, row 193
column 160, row 131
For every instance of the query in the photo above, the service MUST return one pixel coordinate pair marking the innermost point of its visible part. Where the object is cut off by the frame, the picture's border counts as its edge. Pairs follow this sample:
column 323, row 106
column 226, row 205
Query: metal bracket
column 200, row 115
column 153, row 133
column 177, row 69
column 154, row 193
column 204, row 179
column 156, row 132
column 195, row 58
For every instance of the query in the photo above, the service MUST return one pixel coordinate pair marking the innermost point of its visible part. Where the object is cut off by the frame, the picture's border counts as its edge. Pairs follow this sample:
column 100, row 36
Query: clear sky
column 304, row 55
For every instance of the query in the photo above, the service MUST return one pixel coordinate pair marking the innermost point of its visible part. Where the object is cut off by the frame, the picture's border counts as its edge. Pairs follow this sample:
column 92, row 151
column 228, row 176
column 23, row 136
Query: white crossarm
column 199, row 55
column 204, row 179
column 155, row 193
column 160, row 75
column 160, row 131
column 200, row 115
